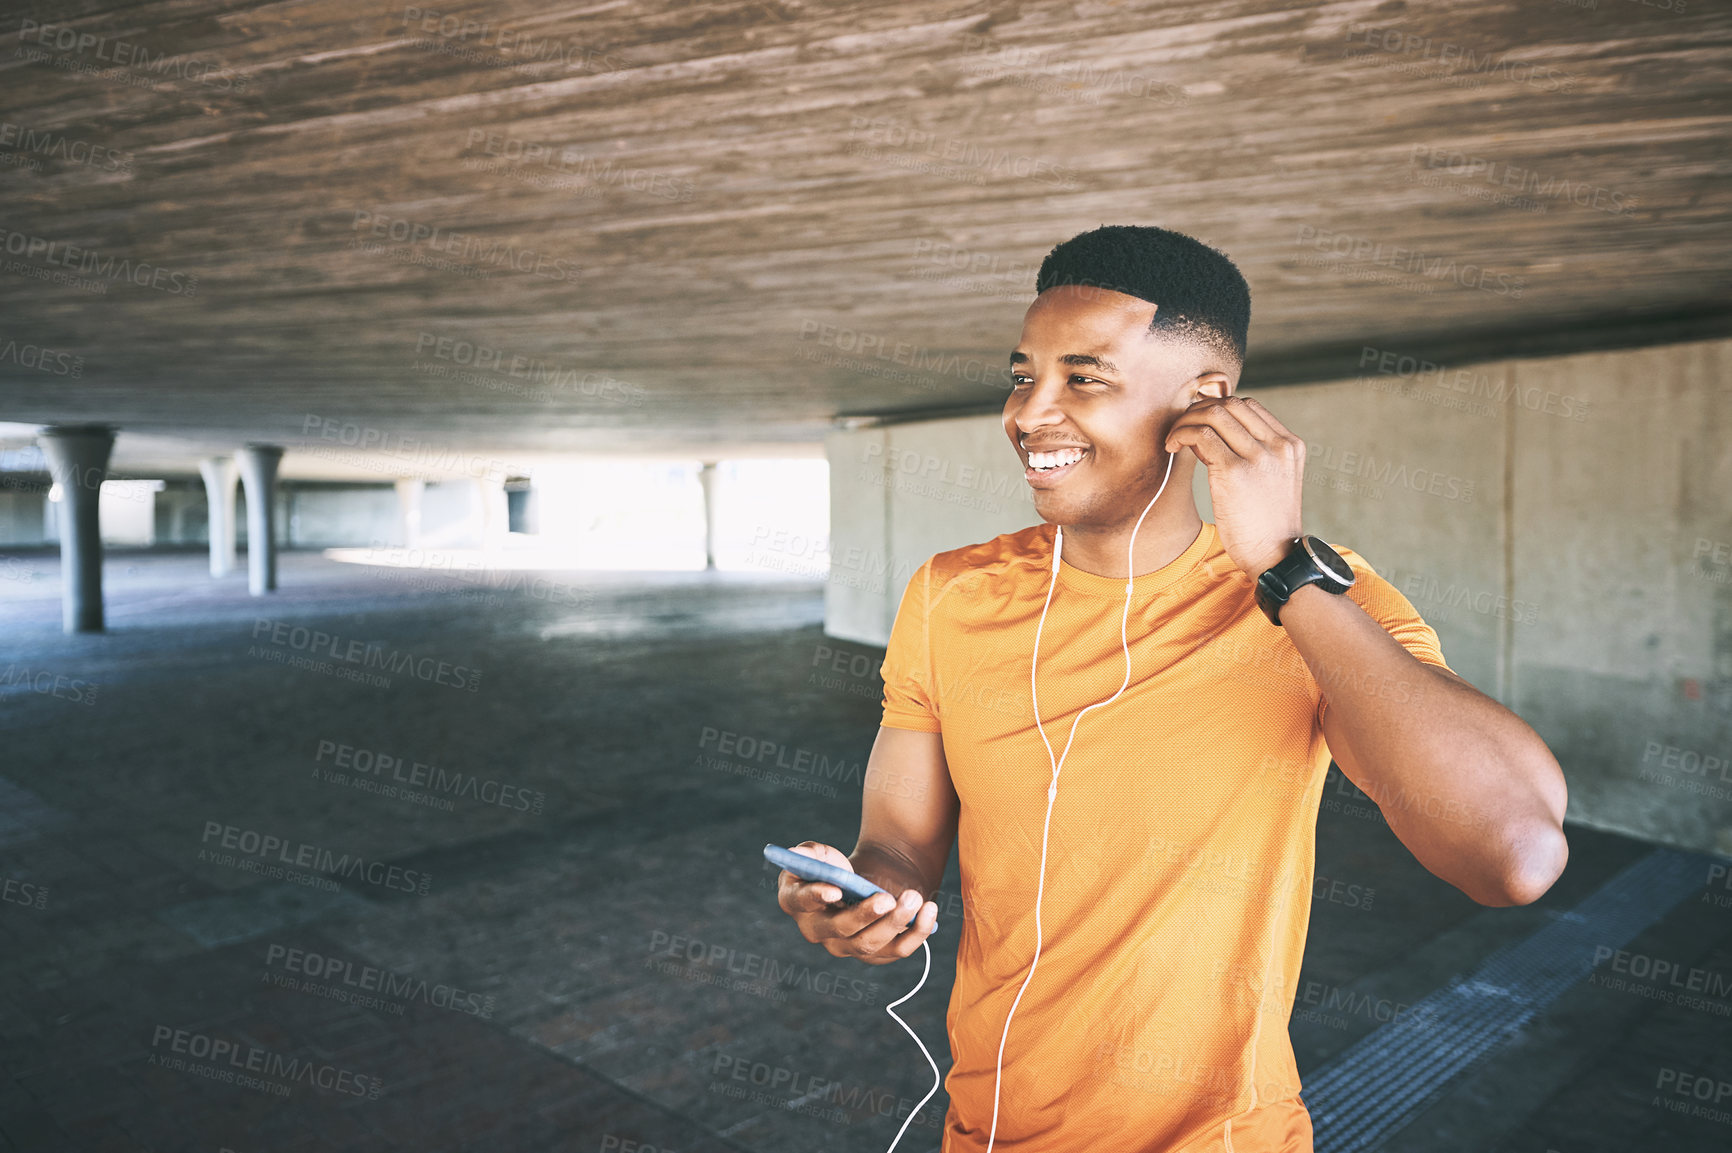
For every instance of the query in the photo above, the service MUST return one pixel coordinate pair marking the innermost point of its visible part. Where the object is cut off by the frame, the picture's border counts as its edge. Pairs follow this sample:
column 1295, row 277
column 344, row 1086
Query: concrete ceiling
column 713, row 227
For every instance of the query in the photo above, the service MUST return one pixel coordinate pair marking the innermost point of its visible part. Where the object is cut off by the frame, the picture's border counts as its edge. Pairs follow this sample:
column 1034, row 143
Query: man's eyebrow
column 1074, row 359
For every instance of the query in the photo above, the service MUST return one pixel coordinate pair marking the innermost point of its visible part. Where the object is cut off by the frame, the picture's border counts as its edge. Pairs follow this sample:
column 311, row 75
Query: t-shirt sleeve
column 910, row 701
column 1385, row 604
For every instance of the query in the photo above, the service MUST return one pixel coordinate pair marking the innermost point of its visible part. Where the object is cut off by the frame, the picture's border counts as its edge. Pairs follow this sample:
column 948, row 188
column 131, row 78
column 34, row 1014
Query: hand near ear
column 1256, row 473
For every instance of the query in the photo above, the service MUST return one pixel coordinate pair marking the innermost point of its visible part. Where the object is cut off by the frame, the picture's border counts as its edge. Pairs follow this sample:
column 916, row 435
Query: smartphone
column 854, row 887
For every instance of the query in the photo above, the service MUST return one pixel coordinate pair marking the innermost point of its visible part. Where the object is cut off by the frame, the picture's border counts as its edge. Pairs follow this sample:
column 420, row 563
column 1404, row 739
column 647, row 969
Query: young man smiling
column 1179, row 843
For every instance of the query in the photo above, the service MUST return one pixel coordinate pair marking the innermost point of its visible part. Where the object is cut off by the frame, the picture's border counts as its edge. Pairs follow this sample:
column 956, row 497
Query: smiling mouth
column 1048, row 466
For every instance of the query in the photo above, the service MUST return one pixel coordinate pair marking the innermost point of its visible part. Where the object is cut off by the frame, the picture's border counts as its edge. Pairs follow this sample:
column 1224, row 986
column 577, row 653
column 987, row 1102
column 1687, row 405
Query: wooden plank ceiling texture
column 635, row 225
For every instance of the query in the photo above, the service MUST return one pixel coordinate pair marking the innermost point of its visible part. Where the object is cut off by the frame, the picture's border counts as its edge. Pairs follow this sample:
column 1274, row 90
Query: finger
column 1255, row 418
column 1197, row 419
column 799, row 896
column 923, row 926
column 910, row 939
column 852, row 920
column 871, row 940
column 829, row 854
column 1230, row 419
column 1269, row 418
column 1205, row 442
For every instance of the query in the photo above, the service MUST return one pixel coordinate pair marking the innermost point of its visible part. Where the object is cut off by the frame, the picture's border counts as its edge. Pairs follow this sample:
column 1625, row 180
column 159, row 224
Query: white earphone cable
column 1058, row 764
column 936, row 1079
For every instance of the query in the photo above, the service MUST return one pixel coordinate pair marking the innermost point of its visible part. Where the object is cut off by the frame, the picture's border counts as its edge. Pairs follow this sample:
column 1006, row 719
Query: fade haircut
column 1198, row 294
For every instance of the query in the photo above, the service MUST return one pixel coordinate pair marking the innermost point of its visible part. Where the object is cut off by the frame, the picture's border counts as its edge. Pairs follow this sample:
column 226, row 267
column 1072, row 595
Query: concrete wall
column 326, row 516
column 900, row 493
column 23, row 508
column 182, row 513
column 1564, row 523
column 309, row 514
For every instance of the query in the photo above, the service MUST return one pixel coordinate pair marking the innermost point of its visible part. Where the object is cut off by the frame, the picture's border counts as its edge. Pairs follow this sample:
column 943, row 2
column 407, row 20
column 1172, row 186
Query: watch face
column 1329, row 560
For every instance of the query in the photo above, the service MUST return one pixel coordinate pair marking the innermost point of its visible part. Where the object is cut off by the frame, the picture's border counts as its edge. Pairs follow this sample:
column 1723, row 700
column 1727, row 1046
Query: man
column 1178, row 848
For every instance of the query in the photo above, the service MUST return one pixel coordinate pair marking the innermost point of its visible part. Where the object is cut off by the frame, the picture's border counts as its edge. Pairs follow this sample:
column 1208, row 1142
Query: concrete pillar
column 707, row 478
column 219, row 474
column 492, row 519
column 409, row 494
column 258, row 465
column 78, row 462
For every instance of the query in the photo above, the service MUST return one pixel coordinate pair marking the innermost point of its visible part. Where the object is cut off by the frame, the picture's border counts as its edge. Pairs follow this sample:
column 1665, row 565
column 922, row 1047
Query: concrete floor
column 533, row 1003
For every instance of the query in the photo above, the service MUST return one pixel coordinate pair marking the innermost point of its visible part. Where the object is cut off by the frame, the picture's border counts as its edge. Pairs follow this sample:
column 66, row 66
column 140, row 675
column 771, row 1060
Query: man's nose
column 1040, row 408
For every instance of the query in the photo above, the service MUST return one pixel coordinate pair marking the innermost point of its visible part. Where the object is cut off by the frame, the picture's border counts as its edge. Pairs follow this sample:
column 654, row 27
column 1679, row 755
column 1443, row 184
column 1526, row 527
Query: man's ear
column 1214, row 385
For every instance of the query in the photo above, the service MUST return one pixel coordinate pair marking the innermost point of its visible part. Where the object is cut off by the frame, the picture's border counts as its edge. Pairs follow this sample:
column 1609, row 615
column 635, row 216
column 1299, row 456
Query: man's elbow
column 1532, row 863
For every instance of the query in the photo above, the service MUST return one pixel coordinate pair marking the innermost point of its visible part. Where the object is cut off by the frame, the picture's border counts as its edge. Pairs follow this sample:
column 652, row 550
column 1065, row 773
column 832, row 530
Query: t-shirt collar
column 1160, row 580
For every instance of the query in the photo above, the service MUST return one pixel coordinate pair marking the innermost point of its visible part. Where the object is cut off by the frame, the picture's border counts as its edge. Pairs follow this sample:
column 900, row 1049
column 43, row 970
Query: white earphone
column 1058, row 764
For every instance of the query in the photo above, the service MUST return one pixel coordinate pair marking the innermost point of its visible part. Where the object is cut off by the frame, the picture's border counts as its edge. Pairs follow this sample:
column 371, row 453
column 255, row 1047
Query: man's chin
column 1056, row 509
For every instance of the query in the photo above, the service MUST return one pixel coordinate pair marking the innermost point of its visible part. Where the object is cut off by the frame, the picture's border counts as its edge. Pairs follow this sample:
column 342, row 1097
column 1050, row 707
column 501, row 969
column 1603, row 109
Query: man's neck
column 1168, row 530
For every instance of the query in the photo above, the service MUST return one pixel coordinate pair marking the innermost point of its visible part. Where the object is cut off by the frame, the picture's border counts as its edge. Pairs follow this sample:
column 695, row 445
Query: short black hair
column 1197, row 292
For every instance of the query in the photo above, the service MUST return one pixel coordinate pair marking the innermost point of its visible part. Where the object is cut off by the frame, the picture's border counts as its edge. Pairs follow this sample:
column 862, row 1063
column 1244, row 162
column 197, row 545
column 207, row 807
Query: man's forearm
column 1465, row 783
column 895, row 870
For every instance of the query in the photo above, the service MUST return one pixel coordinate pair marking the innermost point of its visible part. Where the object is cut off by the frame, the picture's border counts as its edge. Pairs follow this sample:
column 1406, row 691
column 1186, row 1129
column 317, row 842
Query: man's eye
column 1085, row 379
column 1020, row 380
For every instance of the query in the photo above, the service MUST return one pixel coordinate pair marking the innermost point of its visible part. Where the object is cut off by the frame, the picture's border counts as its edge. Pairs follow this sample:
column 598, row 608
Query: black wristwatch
column 1309, row 561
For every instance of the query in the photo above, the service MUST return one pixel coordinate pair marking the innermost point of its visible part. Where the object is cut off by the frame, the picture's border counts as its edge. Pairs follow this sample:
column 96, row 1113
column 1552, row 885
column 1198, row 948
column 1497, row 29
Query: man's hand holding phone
column 877, row 930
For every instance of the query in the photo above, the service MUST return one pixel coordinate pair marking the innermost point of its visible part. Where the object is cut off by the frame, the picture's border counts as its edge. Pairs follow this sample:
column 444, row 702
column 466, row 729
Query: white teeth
column 1051, row 460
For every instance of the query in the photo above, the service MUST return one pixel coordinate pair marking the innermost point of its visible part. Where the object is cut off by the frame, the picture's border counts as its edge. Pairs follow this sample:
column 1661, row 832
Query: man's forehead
column 1106, row 317
column 1106, row 335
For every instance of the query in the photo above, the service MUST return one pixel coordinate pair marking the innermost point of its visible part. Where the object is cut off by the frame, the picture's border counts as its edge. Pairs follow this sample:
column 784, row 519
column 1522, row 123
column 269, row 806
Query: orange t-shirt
column 1179, row 862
